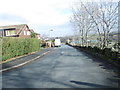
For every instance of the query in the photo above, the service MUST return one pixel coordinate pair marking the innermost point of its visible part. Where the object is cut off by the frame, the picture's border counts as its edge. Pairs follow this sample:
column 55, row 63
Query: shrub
column 33, row 35
column 12, row 47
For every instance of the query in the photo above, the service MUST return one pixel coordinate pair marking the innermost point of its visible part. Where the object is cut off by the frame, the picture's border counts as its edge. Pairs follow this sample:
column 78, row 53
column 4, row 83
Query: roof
column 20, row 26
column 31, row 30
column 37, row 33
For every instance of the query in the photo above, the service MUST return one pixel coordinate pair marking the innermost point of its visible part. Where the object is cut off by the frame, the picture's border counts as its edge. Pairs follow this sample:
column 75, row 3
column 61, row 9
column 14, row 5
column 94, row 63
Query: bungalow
column 21, row 30
column 38, row 35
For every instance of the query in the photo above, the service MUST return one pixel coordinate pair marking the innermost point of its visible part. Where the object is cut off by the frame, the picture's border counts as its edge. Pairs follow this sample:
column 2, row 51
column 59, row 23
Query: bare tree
column 108, row 17
column 101, row 16
column 82, row 21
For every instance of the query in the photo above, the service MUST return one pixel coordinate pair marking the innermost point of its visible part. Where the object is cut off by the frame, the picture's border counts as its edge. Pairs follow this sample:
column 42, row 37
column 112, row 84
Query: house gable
column 25, row 31
column 21, row 30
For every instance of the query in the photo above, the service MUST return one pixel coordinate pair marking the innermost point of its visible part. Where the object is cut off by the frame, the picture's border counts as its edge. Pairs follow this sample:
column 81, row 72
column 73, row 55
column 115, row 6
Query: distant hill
column 114, row 36
column 115, row 33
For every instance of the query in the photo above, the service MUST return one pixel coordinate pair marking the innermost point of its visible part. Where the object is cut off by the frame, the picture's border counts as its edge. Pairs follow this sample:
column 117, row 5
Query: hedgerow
column 12, row 47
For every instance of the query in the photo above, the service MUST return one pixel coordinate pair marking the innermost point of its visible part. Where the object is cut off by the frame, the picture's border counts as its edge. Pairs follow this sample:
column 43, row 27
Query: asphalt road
column 64, row 67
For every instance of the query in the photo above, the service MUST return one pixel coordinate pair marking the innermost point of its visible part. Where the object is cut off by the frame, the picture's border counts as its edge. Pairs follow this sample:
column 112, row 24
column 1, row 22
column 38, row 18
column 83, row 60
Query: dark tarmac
column 64, row 67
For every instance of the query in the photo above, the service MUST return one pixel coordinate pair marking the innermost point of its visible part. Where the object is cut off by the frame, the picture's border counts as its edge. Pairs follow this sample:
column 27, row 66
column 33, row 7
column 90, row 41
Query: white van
column 57, row 42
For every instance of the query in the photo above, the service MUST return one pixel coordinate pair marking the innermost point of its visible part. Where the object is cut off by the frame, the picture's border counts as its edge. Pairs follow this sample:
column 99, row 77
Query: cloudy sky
column 39, row 15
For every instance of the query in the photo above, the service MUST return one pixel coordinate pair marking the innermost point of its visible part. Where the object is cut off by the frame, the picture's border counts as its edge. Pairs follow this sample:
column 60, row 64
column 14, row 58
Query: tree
column 33, row 35
column 82, row 21
column 101, row 17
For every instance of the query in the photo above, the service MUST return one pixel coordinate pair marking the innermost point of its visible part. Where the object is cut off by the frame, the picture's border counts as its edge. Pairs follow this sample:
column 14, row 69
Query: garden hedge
column 12, row 47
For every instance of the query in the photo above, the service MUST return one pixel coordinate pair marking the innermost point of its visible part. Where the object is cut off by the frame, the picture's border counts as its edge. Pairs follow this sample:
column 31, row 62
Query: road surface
column 64, row 67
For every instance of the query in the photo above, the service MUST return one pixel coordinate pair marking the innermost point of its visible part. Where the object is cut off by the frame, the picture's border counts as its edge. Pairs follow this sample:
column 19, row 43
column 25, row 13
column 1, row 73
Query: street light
column 50, row 31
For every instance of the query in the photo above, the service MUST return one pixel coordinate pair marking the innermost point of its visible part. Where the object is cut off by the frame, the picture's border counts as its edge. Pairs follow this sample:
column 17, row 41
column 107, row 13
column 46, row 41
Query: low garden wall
column 106, row 54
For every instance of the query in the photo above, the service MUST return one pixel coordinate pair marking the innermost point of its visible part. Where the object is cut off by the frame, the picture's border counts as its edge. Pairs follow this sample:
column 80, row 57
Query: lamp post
column 50, row 33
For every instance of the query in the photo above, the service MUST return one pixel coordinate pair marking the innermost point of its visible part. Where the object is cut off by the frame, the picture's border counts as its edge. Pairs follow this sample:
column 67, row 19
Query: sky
column 47, row 17
column 40, row 15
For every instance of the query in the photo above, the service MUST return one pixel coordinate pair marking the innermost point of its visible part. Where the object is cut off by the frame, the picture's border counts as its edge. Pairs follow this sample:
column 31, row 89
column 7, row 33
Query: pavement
column 64, row 67
column 15, row 63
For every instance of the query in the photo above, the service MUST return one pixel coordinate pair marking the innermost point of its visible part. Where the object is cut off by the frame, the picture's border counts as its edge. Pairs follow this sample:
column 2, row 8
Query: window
column 10, row 32
column 28, row 33
column 24, row 32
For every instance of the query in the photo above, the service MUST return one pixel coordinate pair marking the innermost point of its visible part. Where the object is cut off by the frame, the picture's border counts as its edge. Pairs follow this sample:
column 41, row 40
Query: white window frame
column 7, row 32
column 28, row 33
column 24, row 32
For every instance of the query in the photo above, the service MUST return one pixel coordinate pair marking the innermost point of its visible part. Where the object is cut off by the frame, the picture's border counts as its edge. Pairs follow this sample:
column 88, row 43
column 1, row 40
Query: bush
column 12, row 47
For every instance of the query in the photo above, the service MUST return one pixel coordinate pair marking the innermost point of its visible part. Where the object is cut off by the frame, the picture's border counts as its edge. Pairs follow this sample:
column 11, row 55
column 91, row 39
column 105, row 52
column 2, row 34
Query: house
column 38, row 35
column 21, row 30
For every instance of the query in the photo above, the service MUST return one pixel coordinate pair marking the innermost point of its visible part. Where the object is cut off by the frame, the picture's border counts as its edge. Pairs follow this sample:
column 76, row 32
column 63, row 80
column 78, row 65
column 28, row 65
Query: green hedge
column 12, row 47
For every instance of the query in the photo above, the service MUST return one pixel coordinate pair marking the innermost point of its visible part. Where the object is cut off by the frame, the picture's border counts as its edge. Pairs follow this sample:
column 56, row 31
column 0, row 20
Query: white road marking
column 24, row 62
